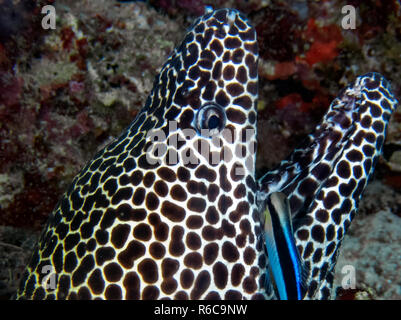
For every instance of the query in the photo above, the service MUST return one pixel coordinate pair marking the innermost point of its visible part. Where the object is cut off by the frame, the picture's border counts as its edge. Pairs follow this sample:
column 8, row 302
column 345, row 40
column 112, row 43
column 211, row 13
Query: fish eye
column 210, row 117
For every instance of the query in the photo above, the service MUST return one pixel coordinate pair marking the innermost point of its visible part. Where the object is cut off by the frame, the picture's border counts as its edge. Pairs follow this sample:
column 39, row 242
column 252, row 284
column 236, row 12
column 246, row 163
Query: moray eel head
column 167, row 210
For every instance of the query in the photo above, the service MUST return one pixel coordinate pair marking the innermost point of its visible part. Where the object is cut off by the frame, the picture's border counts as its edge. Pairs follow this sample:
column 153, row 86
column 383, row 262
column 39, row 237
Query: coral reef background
column 65, row 93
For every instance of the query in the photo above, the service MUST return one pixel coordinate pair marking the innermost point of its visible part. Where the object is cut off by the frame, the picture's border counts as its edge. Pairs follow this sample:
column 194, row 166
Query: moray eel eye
column 210, row 117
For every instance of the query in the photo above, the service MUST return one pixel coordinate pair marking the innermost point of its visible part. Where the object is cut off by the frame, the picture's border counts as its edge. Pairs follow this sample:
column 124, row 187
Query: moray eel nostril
column 166, row 211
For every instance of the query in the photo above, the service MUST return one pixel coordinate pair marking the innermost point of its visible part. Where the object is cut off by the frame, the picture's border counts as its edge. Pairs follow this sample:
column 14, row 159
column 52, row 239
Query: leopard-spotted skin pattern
column 187, row 225
column 325, row 177
column 135, row 224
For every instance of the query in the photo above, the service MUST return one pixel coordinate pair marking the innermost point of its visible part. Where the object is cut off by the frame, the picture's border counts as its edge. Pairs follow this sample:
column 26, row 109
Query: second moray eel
column 324, row 177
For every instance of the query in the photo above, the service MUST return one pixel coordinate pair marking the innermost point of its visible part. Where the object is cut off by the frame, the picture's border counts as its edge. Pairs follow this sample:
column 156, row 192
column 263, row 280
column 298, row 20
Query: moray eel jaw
column 167, row 210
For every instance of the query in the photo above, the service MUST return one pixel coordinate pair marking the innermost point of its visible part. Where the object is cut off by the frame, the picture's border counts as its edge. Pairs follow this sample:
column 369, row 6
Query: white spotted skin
column 128, row 228
column 325, row 177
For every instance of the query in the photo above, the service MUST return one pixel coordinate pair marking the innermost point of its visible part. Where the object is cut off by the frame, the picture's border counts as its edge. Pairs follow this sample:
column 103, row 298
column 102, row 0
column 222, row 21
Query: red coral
column 283, row 70
column 104, row 23
column 82, row 45
column 321, row 52
column 67, row 35
column 291, row 99
column 295, row 100
column 324, row 42
column 323, row 34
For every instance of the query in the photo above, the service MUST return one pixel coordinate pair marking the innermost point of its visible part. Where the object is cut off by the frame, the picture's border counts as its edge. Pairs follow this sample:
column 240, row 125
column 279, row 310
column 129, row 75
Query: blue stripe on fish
column 285, row 262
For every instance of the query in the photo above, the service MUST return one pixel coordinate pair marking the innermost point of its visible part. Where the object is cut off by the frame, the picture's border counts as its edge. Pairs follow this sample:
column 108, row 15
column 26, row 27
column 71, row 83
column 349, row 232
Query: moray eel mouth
column 171, row 209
